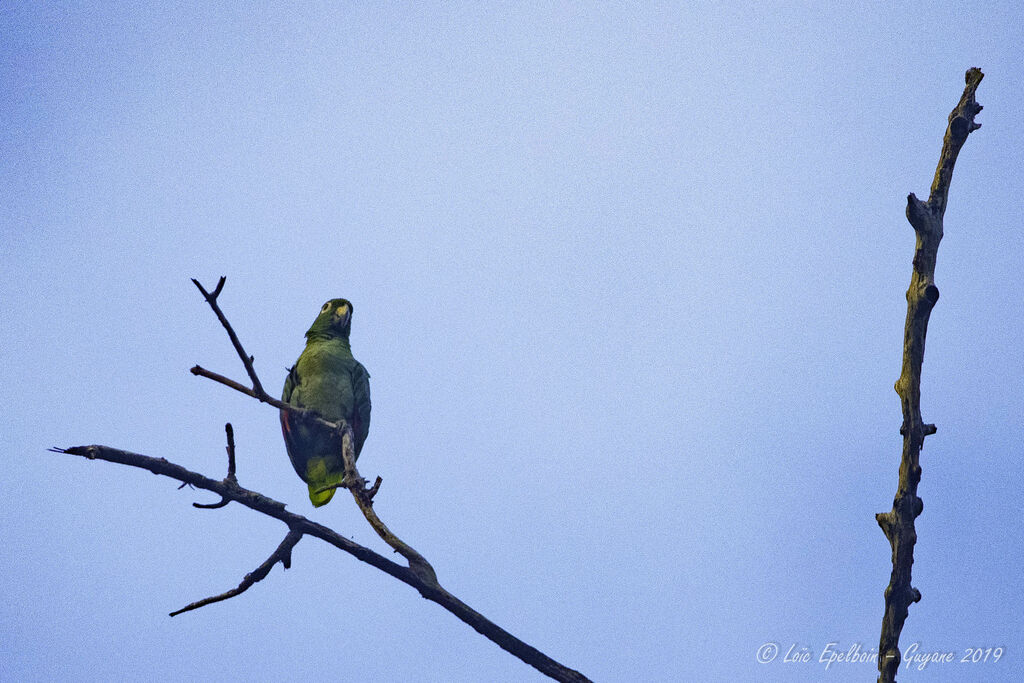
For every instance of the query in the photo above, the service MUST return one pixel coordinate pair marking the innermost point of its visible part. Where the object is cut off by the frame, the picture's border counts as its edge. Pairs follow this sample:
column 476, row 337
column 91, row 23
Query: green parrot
column 327, row 379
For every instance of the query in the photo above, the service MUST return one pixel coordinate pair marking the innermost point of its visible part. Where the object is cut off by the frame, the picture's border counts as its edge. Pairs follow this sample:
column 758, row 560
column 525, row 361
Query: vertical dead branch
column 898, row 523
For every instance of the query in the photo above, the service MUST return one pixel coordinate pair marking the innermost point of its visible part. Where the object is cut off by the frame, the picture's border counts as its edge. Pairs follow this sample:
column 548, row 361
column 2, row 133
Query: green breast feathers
column 327, row 379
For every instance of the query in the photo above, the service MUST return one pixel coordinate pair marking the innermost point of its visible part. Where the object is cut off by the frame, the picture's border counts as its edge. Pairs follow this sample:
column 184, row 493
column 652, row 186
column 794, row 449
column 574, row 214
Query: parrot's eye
column 325, row 306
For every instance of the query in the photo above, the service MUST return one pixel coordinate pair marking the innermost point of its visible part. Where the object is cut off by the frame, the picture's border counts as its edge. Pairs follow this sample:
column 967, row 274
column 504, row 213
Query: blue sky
column 629, row 281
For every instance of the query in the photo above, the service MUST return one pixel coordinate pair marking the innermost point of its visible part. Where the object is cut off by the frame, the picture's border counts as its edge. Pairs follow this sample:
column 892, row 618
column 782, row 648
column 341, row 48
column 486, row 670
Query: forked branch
column 247, row 360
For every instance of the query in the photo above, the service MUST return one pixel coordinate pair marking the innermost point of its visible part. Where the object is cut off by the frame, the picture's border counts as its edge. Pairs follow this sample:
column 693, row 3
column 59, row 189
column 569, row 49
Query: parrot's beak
column 343, row 314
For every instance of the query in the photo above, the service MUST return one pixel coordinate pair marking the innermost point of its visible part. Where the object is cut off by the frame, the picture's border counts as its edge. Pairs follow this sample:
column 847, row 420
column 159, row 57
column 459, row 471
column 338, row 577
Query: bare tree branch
column 419, row 574
column 898, row 523
column 430, row 590
column 283, row 554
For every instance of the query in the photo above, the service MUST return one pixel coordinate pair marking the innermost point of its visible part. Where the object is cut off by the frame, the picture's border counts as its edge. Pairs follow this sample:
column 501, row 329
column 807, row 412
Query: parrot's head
column 335, row 320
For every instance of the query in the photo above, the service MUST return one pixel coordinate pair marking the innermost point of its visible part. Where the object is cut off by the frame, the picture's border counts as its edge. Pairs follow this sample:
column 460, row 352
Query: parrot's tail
column 318, row 478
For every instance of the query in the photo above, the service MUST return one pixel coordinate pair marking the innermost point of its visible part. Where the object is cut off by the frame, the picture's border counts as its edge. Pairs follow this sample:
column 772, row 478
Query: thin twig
column 229, row 480
column 211, row 506
column 231, row 452
column 264, row 398
column 283, row 554
column 247, row 360
column 898, row 523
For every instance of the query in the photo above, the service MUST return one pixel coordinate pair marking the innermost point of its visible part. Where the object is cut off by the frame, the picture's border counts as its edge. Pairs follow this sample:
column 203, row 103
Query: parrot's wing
column 361, row 394
column 289, row 423
column 290, row 382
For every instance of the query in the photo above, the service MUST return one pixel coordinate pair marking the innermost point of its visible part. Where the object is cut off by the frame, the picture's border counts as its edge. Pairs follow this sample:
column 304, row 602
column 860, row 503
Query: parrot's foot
column 359, row 487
